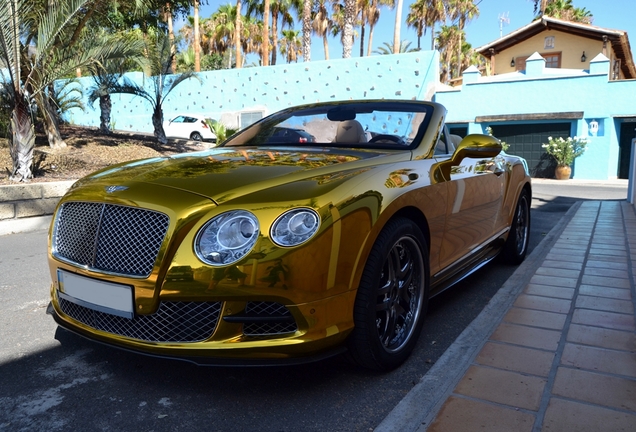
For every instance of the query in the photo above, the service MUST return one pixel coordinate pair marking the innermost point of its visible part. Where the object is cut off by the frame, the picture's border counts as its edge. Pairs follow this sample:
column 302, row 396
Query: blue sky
column 614, row 14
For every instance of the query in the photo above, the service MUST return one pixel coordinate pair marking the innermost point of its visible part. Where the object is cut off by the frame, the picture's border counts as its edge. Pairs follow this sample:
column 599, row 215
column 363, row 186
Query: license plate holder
column 102, row 296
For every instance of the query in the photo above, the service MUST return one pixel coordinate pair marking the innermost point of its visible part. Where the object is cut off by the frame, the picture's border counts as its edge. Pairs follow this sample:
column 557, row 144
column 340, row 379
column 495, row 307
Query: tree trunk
column 370, row 43
column 325, row 44
column 237, row 35
column 105, row 107
column 265, row 53
column 398, row 27
column 362, row 31
column 22, row 142
column 347, row 34
column 307, row 30
column 51, row 125
column 173, row 48
column 197, row 38
column 274, row 39
column 432, row 38
column 157, row 123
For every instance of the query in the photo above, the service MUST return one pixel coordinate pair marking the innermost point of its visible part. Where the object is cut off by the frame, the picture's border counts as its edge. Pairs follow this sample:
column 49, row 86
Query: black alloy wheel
column 392, row 298
column 516, row 247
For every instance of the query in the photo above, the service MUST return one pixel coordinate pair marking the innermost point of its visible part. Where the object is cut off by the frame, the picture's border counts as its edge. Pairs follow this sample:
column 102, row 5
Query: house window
column 548, row 42
column 552, row 60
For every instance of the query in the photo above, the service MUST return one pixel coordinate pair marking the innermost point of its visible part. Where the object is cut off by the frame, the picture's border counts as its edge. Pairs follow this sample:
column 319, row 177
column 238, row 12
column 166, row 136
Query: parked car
column 290, row 135
column 297, row 251
column 189, row 126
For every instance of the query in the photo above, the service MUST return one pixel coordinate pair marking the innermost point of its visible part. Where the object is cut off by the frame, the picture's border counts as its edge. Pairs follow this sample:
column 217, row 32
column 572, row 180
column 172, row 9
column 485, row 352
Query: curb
column 14, row 226
column 422, row 403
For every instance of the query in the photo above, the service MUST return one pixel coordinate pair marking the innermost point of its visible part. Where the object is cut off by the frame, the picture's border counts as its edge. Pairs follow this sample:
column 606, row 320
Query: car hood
column 222, row 174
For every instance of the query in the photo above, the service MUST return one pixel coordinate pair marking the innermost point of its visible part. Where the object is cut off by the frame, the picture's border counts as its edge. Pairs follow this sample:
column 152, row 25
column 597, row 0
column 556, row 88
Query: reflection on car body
column 263, row 251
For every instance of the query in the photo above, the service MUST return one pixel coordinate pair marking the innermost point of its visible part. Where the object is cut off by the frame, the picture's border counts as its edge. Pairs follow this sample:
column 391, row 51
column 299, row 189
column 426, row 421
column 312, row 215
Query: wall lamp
column 583, row 57
column 512, row 62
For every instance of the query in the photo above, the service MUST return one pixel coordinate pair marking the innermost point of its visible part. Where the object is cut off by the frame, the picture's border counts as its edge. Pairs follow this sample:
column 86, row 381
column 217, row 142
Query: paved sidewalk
column 561, row 357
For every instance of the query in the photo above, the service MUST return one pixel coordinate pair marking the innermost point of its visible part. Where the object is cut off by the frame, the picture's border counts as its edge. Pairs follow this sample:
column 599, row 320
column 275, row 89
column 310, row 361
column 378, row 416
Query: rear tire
column 391, row 301
column 516, row 247
column 196, row 136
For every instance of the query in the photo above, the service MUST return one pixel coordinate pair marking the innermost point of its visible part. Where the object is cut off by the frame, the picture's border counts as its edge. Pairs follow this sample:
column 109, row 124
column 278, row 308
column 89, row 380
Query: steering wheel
column 392, row 139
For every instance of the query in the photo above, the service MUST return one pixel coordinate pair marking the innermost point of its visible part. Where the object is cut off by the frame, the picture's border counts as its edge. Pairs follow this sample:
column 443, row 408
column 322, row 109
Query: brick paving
column 563, row 357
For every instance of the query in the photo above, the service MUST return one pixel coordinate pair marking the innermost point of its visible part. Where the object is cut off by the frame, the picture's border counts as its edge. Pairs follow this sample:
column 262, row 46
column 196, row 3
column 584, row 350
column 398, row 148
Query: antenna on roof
column 503, row 18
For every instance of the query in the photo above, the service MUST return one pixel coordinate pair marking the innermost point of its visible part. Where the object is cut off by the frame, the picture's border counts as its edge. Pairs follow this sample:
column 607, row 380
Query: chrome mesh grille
column 112, row 238
column 268, row 309
column 173, row 321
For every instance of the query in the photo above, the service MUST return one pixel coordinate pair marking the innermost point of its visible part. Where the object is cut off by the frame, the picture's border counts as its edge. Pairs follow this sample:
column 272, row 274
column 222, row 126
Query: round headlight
column 295, row 227
column 227, row 238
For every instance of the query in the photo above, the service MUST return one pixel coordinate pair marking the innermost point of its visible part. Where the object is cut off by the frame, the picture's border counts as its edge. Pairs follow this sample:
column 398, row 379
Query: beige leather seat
column 350, row 132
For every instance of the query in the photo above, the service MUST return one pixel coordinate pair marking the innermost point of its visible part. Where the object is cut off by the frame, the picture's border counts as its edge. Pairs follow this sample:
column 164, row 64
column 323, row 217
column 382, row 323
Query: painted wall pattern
column 223, row 94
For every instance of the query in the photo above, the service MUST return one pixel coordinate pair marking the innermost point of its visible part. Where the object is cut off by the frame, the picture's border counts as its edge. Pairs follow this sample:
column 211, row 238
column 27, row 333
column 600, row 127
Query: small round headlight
column 227, row 238
column 295, row 227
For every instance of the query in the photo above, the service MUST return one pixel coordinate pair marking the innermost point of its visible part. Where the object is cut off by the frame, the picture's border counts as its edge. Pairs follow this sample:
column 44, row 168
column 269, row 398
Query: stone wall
column 27, row 206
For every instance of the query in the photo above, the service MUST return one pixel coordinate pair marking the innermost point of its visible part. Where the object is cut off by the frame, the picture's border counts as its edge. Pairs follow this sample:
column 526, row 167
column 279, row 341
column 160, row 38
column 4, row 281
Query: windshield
column 373, row 124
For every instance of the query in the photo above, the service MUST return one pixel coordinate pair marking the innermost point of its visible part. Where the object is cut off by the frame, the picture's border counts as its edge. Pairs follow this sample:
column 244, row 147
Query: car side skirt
column 469, row 264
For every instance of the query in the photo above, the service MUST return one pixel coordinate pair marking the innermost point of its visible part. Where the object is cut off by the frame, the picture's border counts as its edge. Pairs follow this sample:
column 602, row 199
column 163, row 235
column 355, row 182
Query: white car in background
column 189, row 126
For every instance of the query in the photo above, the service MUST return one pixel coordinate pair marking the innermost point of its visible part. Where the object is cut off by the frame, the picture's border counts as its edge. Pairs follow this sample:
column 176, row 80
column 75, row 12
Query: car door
column 475, row 191
column 175, row 127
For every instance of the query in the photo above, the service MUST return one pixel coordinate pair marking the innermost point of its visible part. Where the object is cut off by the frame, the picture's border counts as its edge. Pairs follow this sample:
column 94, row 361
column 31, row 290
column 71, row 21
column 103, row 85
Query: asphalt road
column 53, row 380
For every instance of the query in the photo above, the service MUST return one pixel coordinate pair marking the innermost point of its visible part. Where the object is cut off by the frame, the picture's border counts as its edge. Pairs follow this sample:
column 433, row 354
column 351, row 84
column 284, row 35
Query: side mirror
column 476, row 146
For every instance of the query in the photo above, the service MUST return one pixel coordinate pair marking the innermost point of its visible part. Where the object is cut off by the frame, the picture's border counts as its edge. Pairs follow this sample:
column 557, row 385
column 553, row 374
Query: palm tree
column 350, row 14
column 539, row 6
column 387, row 48
column 159, row 57
column 30, row 69
column 426, row 13
column 197, row 38
column 372, row 17
column 291, row 45
column 223, row 23
column 461, row 11
column 564, row 9
column 265, row 37
column 167, row 15
column 558, row 8
column 261, row 9
column 307, row 4
column 581, row 15
column 398, row 27
column 252, row 36
column 322, row 24
column 237, row 34
column 105, row 81
column 281, row 13
column 448, row 40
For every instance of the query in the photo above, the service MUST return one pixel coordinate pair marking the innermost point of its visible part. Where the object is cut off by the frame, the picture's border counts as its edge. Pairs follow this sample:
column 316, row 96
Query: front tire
column 516, row 247
column 392, row 298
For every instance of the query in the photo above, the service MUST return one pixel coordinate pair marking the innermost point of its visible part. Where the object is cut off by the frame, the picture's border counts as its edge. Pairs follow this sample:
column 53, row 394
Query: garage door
column 525, row 140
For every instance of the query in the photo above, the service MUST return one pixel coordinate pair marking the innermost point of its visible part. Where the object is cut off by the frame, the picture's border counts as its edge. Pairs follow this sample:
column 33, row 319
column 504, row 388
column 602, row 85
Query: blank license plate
column 95, row 294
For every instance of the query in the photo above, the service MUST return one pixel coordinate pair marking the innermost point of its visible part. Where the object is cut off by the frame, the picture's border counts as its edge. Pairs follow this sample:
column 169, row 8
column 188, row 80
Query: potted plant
column 564, row 151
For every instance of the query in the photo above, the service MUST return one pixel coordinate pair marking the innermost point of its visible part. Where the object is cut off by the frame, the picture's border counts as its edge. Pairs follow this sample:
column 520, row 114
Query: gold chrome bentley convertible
column 270, row 250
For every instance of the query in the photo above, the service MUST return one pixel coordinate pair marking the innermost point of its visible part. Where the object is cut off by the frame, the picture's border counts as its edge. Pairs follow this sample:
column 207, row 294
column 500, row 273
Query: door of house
column 627, row 134
column 525, row 140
